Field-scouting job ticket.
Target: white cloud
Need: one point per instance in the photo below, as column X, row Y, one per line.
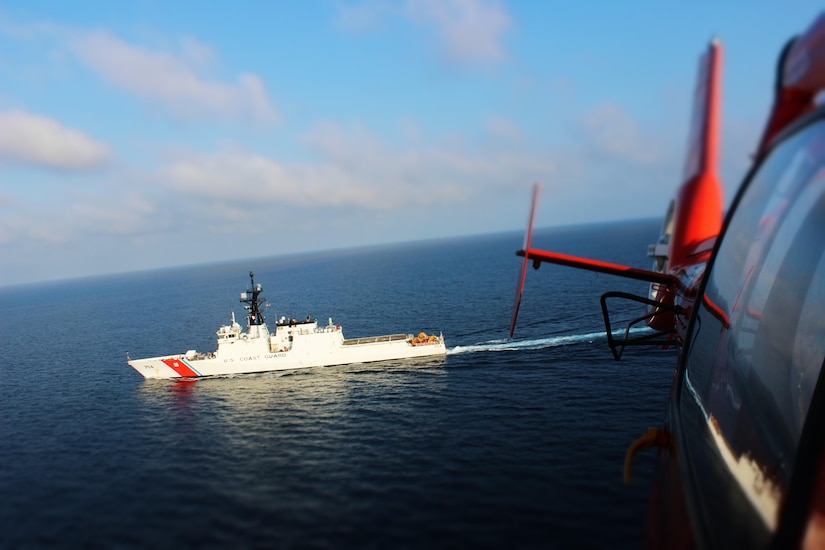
column 196, row 53
column 504, row 129
column 172, row 80
column 364, row 15
column 355, row 169
column 615, row 134
column 30, row 139
column 95, row 208
column 469, row 30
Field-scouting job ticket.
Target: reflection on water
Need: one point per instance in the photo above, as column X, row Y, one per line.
column 316, row 395
column 301, row 447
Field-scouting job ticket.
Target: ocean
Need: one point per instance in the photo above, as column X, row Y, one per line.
column 502, row 443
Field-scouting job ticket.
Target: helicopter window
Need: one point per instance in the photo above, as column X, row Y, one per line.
column 757, row 346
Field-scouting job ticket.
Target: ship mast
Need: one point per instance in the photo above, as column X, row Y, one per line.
column 254, row 300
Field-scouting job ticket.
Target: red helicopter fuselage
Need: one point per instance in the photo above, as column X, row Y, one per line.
column 741, row 460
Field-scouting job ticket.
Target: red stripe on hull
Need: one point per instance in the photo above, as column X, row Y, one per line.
column 180, row 367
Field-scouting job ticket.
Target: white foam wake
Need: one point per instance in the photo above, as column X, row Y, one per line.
column 540, row 343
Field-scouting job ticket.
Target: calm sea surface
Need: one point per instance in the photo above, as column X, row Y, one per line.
column 501, row 444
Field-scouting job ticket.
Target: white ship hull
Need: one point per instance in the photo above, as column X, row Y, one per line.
column 291, row 347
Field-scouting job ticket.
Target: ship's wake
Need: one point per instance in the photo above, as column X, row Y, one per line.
column 505, row 344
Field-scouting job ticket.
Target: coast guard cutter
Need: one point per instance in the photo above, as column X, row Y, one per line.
column 294, row 344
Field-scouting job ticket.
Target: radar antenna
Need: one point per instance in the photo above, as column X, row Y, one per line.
column 253, row 299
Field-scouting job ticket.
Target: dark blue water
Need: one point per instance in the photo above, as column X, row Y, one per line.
column 501, row 443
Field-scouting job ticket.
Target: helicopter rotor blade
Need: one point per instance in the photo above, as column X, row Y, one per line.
column 528, row 238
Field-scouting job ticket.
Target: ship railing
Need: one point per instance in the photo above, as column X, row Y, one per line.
column 377, row 339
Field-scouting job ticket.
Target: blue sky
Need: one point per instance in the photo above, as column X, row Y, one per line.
column 144, row 134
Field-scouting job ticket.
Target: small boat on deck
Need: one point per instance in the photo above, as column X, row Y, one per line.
column 294, row 345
